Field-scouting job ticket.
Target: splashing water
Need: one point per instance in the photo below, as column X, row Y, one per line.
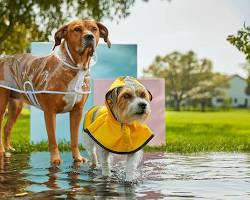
column 159, row 176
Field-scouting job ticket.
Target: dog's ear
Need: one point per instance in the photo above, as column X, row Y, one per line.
column 111, row 96
column 150, row 95
column 104, row 33
column 59, row 35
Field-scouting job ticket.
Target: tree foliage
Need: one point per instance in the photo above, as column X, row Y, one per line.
column 23, row 21
column 186, row 76
column 242, row 41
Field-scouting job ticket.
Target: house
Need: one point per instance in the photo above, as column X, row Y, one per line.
column 234, row 95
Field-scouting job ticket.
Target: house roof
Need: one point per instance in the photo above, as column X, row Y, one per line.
column 237, row 75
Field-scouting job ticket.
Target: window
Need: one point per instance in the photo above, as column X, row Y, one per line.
column 219, row 100
column 235, row 100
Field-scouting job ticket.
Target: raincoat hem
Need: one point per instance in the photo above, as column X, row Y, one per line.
column 118, row 152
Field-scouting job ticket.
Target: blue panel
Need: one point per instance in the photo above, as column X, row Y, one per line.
column 119, row 60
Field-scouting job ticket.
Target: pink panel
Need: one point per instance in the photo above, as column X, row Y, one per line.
column 156, row 120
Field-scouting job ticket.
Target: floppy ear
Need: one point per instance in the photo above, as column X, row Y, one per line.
column 150, row 95
column 59, row 35
column 112, row 95
column 104, row 33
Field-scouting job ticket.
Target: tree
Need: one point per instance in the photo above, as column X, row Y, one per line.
column 208, row 89
column 242, row 42
column 23, row 21
column 186, row 76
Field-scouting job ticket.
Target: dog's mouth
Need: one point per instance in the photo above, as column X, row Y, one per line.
column 141, row 112
column 87, row 45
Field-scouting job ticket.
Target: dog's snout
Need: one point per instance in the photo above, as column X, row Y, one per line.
column 89, row 37
column 142, row 105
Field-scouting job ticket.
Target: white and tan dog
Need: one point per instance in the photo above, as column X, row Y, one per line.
column 118, row 127
column 55, row 83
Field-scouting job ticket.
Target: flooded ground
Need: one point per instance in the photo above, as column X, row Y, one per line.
column 162, row 176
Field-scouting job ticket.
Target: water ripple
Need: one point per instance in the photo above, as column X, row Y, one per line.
column 160, row 176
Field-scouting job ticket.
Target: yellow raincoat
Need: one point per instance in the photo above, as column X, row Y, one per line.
column 116, row 137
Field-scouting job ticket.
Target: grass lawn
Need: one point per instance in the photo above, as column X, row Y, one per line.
column 20, row 133
column 207, row 131
column 20, row 137
column 185, row 132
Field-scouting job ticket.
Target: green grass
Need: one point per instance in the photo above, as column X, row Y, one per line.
column 20, row 137
column 20, row 133
column 186, row 132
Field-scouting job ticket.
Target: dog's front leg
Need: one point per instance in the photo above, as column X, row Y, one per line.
column 50, row 121
column 132, row 163
column 75, row 120
column 89, row 145
column 104, row 160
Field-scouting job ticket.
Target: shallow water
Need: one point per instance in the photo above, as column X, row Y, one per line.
column 161, row 176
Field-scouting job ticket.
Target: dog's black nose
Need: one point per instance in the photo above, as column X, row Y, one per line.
column 142, row 105
column 89, row 37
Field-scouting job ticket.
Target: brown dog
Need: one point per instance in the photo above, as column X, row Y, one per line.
column 59, row 82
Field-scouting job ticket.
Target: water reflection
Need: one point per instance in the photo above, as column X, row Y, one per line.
column 171, row 176
column 12, row 180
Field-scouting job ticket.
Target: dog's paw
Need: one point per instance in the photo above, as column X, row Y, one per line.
column 79, row 159
column 56, row 161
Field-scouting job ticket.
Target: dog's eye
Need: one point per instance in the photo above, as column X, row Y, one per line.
column 142, row 95
column 77, row 29
column 127, row 96
column 94, row 29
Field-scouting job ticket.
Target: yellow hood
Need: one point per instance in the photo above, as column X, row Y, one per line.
column 116, row 137
column 123, row 81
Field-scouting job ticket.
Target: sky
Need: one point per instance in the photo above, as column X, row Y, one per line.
column 160, row 27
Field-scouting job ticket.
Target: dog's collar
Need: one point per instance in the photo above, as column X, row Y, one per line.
column 69, row 54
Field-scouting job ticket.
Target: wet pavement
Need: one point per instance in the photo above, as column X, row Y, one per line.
column 160, row 176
